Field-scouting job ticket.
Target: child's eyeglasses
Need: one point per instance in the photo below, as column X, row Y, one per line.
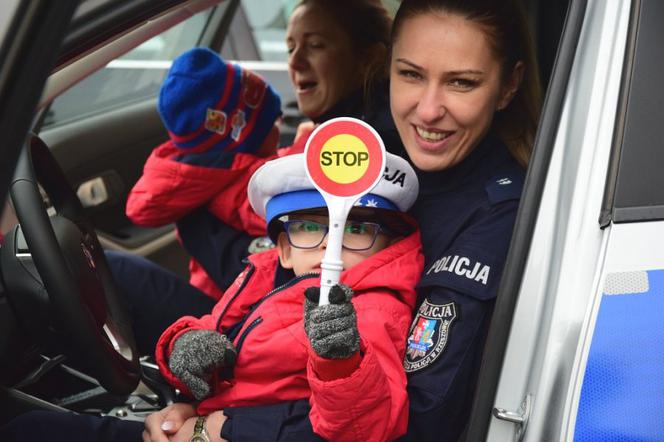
column 304, row 234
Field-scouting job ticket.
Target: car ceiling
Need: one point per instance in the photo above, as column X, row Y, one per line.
column 98, row 21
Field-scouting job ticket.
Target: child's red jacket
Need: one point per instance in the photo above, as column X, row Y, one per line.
column 170, row 188
column 275, row 360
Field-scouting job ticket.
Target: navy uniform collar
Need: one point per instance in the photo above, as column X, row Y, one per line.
column 440, row 181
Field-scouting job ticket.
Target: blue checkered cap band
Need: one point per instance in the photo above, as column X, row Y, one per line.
column 281, row 186
column 312, row 199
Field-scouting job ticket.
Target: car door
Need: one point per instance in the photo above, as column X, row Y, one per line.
column 585, row 276
column 102, row 130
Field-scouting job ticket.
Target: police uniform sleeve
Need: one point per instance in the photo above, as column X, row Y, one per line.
column 441, row 392
column 216, row 246
column 446, row 339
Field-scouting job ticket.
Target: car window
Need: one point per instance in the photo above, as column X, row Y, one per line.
column 132, row 77
column 267, row 22
column 639, row 194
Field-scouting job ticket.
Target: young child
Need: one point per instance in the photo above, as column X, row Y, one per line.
column 215, row 113
column 267, row 341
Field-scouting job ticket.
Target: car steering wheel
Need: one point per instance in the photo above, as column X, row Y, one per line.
column 82, row 302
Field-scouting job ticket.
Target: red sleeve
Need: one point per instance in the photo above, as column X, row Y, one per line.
column 169, row 189
column 233, row 305
column 371, row 404
column 331, row 369
column 178, row 328
column 232, row 202
column 167, row 340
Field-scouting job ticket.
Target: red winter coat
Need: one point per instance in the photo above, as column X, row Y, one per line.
column 276, row 363
column 170, row 189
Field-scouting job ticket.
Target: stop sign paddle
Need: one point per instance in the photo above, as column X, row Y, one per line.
column 345, row 159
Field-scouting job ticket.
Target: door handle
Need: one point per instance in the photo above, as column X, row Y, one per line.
column 92, row 192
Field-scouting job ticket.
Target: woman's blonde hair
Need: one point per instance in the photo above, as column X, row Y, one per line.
column 506, row 27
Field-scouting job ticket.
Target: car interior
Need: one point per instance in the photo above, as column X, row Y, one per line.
column 95, row 126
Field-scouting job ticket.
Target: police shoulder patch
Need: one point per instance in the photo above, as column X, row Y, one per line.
column 428, row 335
column 504, row 187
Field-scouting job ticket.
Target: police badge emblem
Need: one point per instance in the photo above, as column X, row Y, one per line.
column 428, row 335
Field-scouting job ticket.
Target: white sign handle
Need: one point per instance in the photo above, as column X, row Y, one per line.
column 332, row 265
column 340, row 200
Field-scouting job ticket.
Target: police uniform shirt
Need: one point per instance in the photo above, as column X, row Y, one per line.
column 466, row 216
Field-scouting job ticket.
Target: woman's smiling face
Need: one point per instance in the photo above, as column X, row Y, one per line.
column 323, row 64
column 445, row 86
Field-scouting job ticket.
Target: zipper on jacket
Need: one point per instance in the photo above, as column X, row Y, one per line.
column 271, row 293
column 245, row 281
column 240, row 341
column 244, row 334
column 229, row 371
column 290, row 283
column 255, row 306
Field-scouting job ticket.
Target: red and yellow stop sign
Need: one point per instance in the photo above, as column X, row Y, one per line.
column 345, row 157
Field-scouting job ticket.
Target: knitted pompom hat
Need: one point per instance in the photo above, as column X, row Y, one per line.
column 209, row 105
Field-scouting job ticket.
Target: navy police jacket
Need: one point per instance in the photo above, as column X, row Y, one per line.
column 466, row 216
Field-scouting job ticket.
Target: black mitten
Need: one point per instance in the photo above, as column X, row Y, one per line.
column 332, row 328
column 196, row 355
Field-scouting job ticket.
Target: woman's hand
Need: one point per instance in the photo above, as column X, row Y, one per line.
column 213, row 425
column 159, row 426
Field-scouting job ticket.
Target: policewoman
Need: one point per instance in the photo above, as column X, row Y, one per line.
column 464, row 96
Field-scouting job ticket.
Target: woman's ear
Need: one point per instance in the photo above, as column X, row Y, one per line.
column 511, row 86
column 284, row 251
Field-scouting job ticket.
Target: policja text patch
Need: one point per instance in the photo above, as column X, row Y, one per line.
column 428, row 335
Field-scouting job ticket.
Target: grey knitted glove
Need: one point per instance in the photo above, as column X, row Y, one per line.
column 196, row 355
column 332, row 328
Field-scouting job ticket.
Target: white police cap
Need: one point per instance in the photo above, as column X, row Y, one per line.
column 281, row 186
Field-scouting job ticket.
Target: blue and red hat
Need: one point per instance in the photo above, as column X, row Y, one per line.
column 209, row 105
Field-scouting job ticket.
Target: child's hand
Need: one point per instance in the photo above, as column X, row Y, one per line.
column 332, row 328
column 303, row 128
column 195, row 357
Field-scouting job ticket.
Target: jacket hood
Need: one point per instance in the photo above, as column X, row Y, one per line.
column 398, row 268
